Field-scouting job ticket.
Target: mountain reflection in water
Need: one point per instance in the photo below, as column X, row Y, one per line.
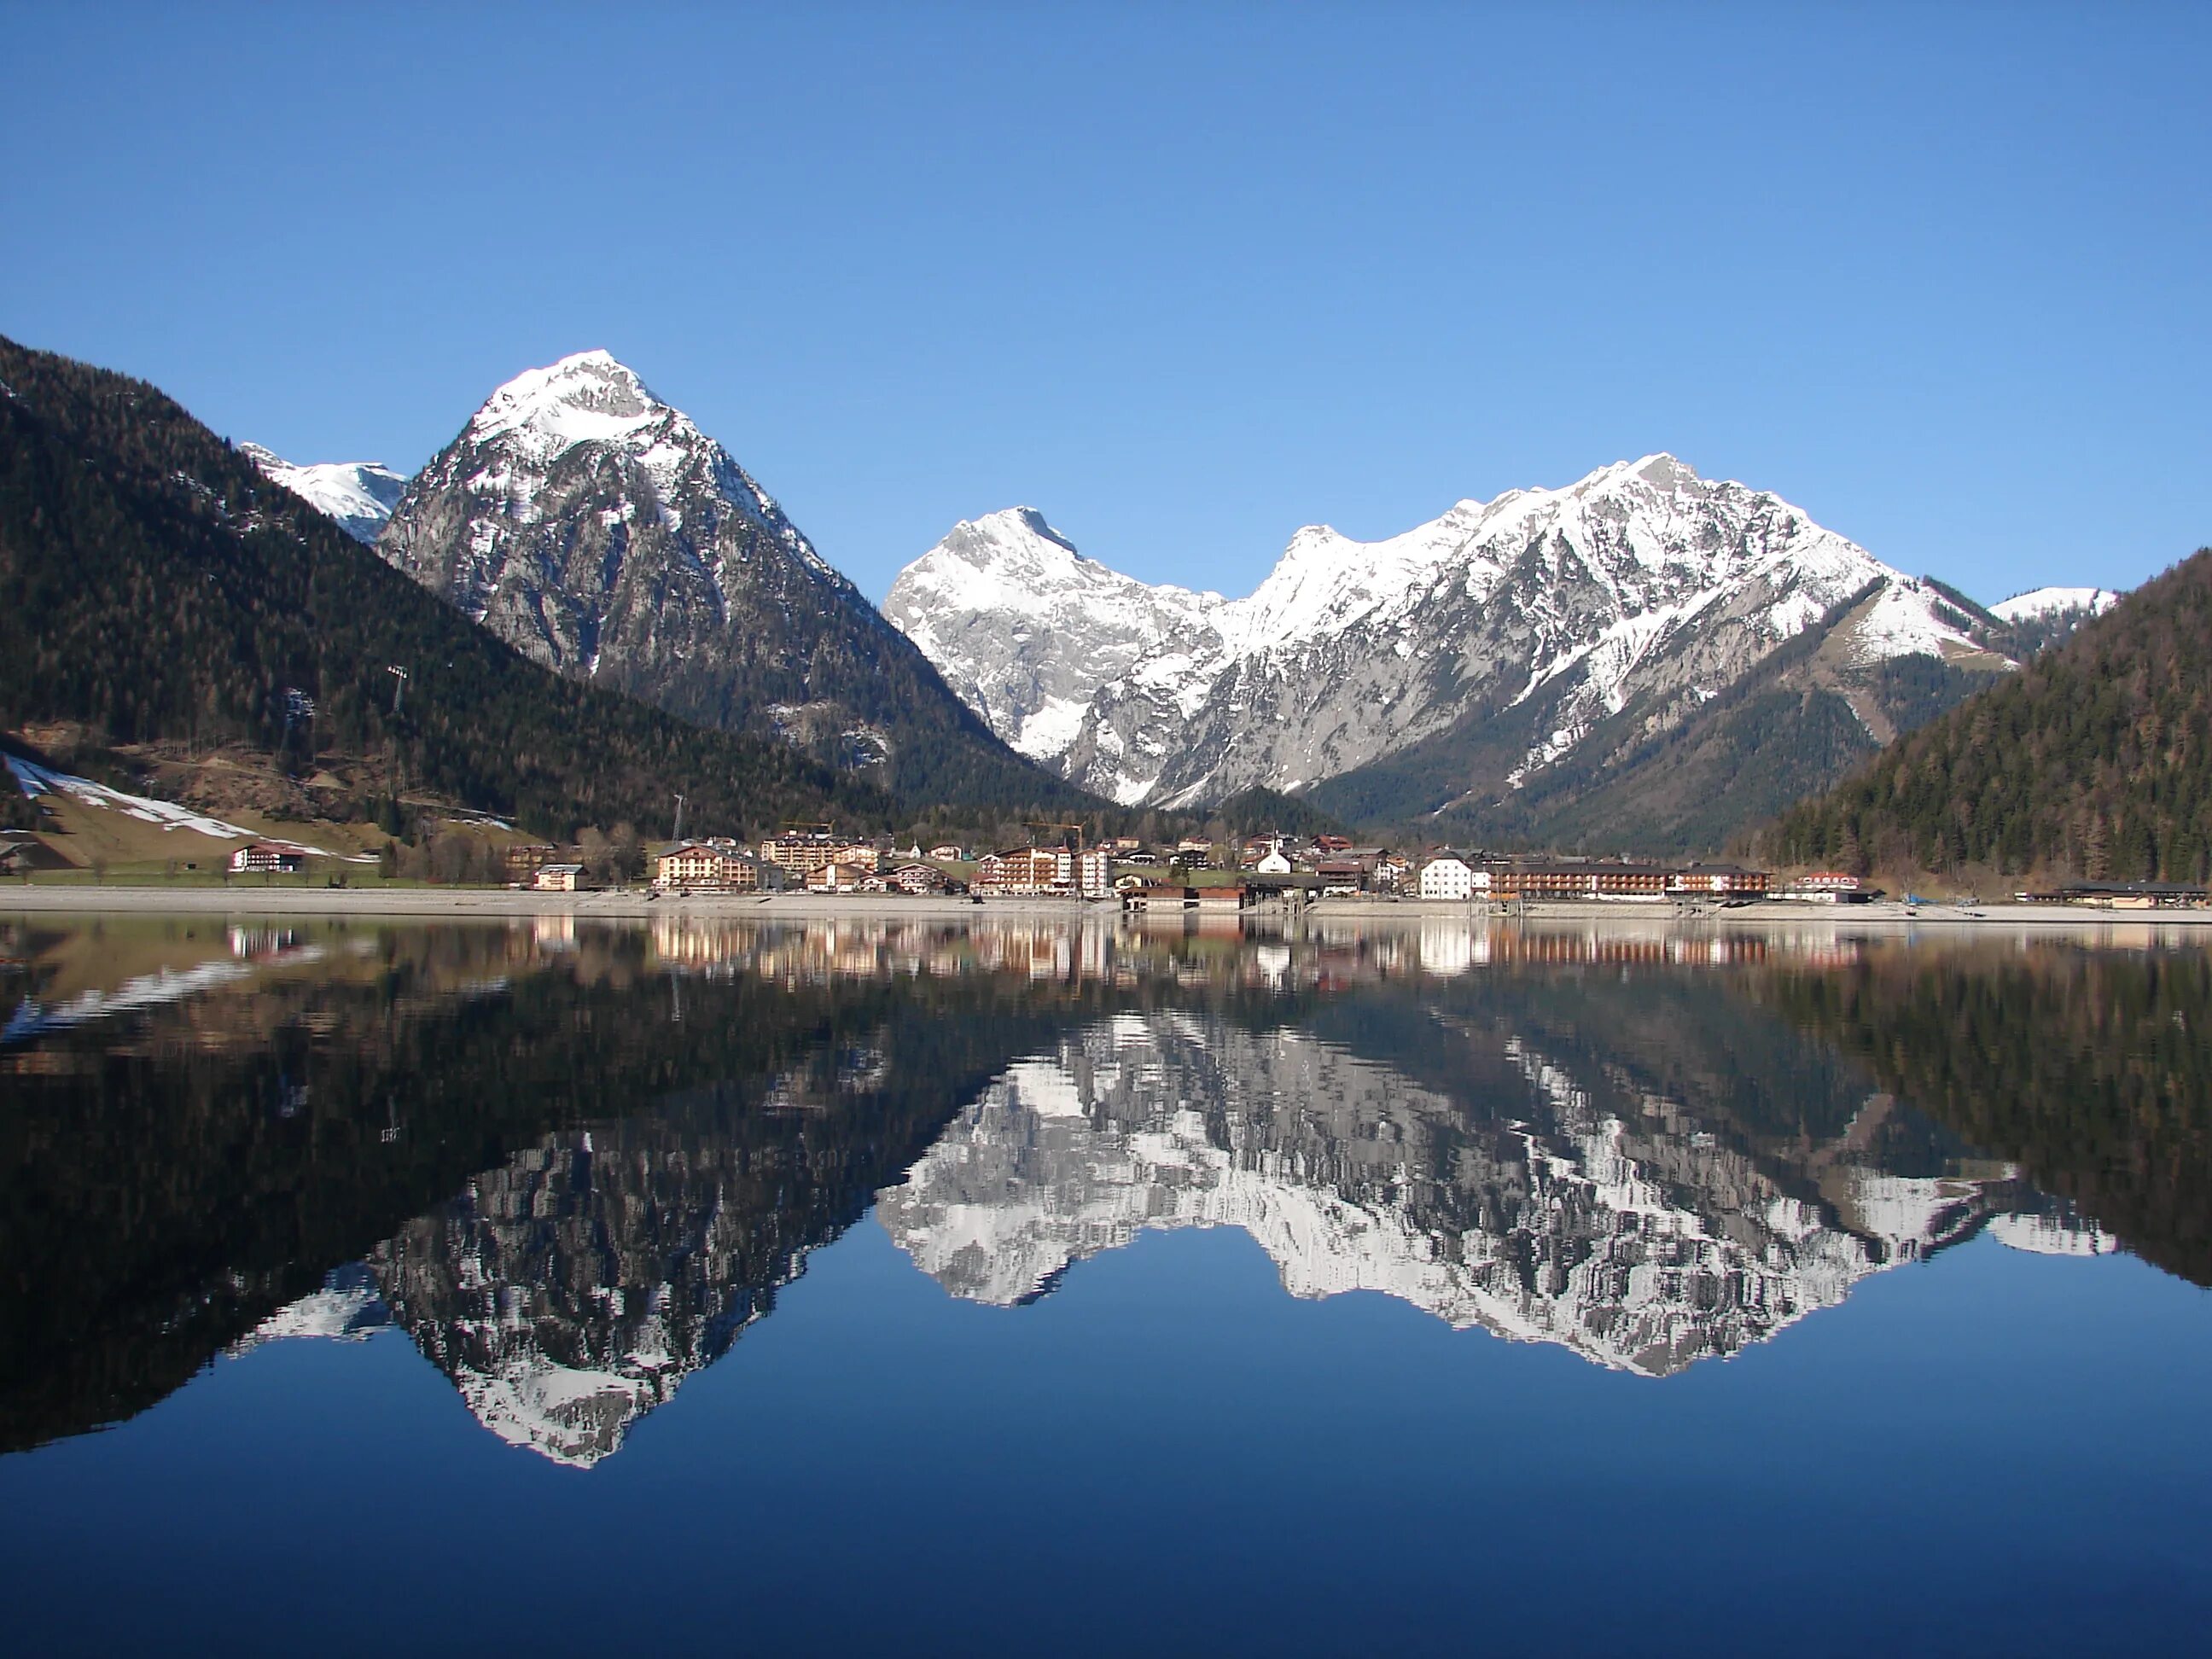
column 575, row 1162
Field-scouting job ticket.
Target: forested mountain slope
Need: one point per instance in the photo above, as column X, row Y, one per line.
column 155, row 584
column 2095, row 761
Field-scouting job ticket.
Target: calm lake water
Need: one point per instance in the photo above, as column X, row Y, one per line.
column 941, row 1289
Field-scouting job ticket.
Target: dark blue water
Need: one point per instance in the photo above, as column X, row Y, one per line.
column 1752, row 1350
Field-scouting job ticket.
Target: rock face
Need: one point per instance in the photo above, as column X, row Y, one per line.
column 598, row 530
column 1029, row 632
column 1514, row 627
column 358, row 496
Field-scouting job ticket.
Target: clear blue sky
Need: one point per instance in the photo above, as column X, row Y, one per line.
column 1183, row 277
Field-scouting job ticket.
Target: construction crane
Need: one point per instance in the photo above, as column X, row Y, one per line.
column 1035, row 824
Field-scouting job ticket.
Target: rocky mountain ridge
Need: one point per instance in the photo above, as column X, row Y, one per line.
column 599, row 532
column 1517, row 626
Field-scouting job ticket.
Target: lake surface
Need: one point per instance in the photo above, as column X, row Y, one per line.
column 868, row 1286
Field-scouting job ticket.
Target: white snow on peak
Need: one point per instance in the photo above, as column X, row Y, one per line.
column 1063, row 625
column 1157, row 693
column 586, row 398
column 1326, row 581
column 359, row 495
column 590, row 398
column 2047, row 601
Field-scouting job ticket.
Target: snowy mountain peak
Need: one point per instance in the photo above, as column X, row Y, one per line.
column 1641, row 582
column 602, row 533
column 586, row 397
column 2052, row 601
column 1013, row 535
column 357, row 495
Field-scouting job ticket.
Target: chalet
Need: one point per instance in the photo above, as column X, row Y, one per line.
column 837, row 879
column 1195, row 853
column 557, row 877
column 948, row 853
column 267, row 855
column 1341, row 877
column 859, row 856
column 916, row 879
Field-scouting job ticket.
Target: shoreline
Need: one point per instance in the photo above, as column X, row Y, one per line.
column 634, row 904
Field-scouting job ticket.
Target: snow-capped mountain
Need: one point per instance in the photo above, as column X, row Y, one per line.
column 1517, row 625
column 1603, row 1218
column 1028, row 631
column 599, row 532
column 357, row 495
column 2042, row 602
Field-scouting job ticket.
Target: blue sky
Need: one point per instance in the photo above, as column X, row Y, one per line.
column 1183, row 277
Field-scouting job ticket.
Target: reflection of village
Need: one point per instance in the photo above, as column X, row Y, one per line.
column 51, row 977
column 1317, row 952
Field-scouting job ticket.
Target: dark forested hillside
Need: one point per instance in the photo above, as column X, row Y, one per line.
column 153, row 584
column 2084, row 1067
column 2095, row 761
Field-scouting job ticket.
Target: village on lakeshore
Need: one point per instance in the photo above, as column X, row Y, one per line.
column 1194, row 873
column 1218, row 875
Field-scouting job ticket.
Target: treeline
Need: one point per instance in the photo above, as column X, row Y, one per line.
column 2087, row 1068
column 154, row 587
column 2095, row 761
